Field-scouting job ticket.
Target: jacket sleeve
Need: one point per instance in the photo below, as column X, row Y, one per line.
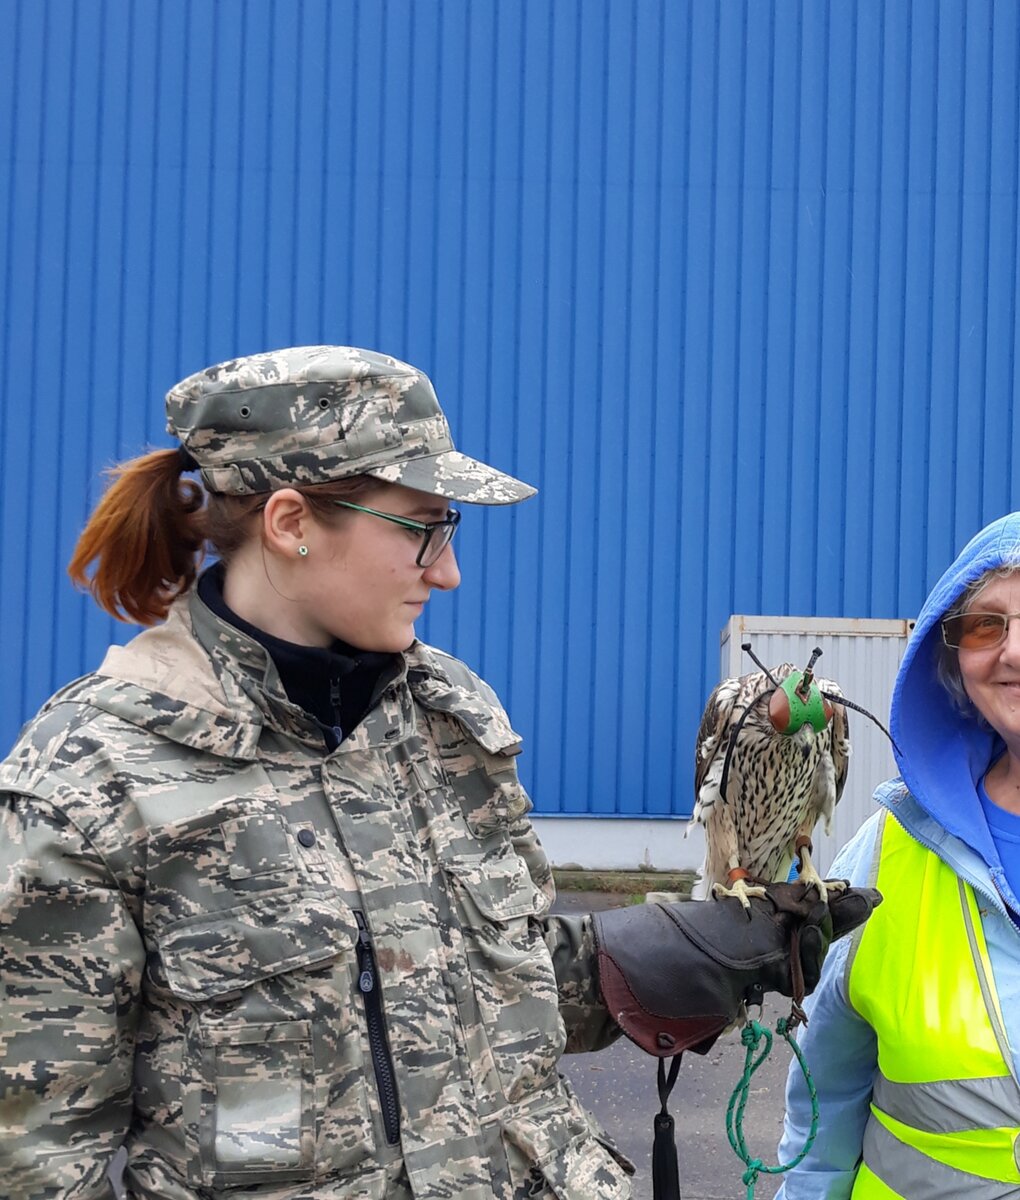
column 70, row 968
column 841, row 1052
column 570, row 941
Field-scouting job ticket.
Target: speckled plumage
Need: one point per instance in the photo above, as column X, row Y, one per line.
column 778, row 787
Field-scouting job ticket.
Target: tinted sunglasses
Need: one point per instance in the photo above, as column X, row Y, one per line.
column 976, row 630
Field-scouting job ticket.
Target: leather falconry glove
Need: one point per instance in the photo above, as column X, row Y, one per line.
column 674, row 976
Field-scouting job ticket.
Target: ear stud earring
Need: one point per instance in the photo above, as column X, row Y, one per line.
column 303, row 551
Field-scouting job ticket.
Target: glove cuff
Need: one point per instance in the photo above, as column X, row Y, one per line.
column 655, row 1033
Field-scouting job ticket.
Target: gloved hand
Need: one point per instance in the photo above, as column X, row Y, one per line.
column 673, row 976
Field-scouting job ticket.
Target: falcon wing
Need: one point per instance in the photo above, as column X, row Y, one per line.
column 713, row 734
column 840, row 746
column 839, row 735
column 832, row 763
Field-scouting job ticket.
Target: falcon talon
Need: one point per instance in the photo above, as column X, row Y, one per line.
column 740, row 891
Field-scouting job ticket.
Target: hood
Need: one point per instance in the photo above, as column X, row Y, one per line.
column 165, row 681
column 941, row 753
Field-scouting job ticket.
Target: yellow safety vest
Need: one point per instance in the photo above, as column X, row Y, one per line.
column 945, row 1111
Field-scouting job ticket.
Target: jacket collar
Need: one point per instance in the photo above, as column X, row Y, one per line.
column 202, row 683
column 986, row 877
column 443, row 684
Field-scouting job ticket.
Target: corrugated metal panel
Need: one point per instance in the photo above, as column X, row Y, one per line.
column 734, row 283
column 862, row 657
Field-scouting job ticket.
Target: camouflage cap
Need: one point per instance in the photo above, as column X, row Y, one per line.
column 311, row 414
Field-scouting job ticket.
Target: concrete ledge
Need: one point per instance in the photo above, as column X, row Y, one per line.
column 631, row 883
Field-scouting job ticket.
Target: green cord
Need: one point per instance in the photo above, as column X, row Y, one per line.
column 752, row 1036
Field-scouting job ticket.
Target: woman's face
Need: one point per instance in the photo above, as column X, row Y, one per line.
column 992, row 677
column 359, row 581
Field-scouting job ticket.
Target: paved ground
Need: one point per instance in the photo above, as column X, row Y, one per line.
column 618, row 1085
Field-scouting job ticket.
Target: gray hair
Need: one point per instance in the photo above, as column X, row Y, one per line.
column 947, row 658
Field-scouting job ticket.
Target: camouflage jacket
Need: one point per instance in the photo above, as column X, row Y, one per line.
column 274, row 971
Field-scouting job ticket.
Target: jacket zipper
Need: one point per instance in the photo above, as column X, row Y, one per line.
column 381, row 1061
column 334, row 699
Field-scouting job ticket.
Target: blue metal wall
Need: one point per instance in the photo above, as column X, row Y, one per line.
column 734, row 282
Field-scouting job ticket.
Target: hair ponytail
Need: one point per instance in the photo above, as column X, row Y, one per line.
column 146, row 538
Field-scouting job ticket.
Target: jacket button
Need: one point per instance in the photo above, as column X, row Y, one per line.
column 306, row 837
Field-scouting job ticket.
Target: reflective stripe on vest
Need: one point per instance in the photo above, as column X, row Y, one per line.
column 945, row 1112
column 917, row 1175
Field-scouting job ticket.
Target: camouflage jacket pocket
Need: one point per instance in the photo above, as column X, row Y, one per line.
column 249, row 1103
column 511, row 971
column 237, row 849
column 493, row 890
column 503, row 803
column 564, row 1155
column 273, row 1083
column 208, row 957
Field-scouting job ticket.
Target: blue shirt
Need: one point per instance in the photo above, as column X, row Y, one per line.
column 1005, row 830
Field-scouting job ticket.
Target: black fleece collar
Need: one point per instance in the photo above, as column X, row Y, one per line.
column 337, row 685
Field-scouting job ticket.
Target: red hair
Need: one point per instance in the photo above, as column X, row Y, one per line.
column 147, row 536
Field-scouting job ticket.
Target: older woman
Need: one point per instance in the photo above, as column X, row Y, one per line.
column 914, row 1034
column 274, row 917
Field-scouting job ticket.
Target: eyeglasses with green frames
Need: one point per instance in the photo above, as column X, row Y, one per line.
column 435, row 536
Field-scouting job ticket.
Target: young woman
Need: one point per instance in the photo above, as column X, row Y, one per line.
column 273, row 914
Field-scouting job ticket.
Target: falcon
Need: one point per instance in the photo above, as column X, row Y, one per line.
column 771, row 759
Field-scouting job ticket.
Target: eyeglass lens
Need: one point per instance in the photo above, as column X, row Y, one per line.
column 976, row 630
column 436, row 541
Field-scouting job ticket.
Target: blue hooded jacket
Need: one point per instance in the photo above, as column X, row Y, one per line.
column 942, row 755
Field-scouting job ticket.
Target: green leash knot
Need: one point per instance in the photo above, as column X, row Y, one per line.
column 750, row 1176
column 752, row 1036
